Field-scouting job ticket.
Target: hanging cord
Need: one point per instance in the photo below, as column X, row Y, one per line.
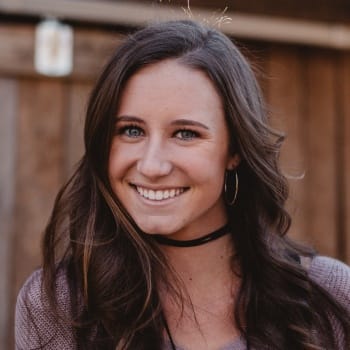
column 173, row 347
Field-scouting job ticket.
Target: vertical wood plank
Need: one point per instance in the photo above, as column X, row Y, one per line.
column 340, row 157
column 78, row 95
column 39, row 168
column 286, row 104
column 320, row 150
column 8, row 103
column 346, row 168
column 257, row 55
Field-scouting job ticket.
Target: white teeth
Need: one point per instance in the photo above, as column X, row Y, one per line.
column 159, row 195
column 151, row 194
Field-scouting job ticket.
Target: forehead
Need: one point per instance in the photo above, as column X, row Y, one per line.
column 170, row 86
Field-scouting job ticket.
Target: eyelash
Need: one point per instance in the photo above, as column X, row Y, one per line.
column 123, row 130
column 195, row 134
column 127, row 128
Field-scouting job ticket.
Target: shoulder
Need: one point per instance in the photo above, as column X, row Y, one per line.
column 33, row 290
column 36, row 325
column 334, row 276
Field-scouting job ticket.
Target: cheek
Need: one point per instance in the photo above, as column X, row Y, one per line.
column 206, row 173
column 206, row 162
column 113, row 170
column 116, row 164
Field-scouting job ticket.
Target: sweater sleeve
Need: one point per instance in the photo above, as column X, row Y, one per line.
column 334, row 277
column 36, row 326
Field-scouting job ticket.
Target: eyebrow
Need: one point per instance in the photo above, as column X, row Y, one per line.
column 189, row 122
column 177, row 122
column 128, row 118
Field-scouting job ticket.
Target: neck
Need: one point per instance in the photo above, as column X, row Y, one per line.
column 209, row 289
column 202, row 266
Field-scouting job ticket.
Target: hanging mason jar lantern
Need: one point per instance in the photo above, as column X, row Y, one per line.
column 53, row 48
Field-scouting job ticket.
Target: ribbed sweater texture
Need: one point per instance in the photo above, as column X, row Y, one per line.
column 36, row 327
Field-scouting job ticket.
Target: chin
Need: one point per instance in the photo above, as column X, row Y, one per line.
column 155, row 228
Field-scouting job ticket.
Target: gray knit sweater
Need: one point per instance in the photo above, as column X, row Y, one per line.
column 37, row 328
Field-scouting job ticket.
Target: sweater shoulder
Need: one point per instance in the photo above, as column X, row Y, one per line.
column 36, row 324
column 334, row 276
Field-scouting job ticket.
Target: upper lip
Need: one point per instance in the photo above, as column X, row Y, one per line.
column 157, row 187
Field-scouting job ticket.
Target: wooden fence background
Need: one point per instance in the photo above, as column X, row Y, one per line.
column 41, row 122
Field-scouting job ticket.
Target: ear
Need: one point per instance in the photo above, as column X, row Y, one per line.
column 233, row 162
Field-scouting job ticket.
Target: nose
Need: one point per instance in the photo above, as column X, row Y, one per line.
column 154, row 161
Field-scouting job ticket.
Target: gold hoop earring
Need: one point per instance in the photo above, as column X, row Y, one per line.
column 228, row 174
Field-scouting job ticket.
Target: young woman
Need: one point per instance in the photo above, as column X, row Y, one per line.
column 171, row 233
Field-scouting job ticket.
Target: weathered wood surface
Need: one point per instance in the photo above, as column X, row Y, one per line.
column 325, row 10
column 77, row 99
column 244, row 24
column 8, row 144
column 107, row 11
column 285, row 99
column 41, row 140
column 39, row 171
column 345, row 94
column 91, row 48
column 320, row 149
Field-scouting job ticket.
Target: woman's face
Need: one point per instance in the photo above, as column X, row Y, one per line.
column 170, row 151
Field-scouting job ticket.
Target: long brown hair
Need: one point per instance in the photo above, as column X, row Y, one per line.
column 112, row 269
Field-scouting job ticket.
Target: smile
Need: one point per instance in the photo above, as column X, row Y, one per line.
column 159, row 195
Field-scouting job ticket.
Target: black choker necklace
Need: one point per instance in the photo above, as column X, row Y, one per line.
column 224, row 230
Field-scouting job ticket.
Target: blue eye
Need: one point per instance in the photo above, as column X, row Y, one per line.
column 186, row 134
column 132, row 131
